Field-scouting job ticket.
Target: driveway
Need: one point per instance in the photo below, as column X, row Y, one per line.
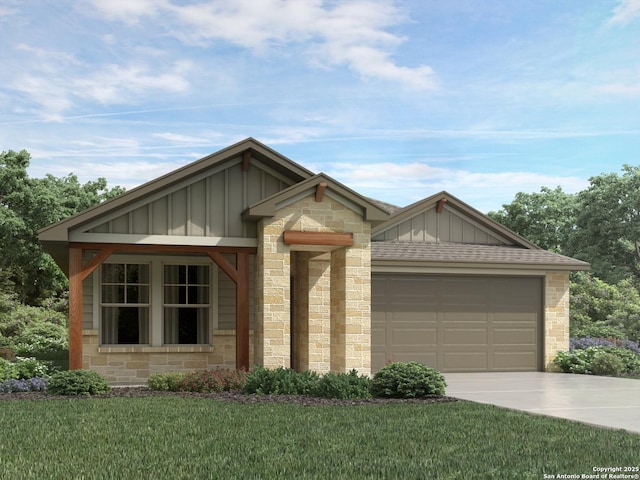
column 601, row 401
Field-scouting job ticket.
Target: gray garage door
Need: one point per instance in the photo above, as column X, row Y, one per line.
column 457, row 323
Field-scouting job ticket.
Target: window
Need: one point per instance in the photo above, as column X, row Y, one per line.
column 125, row 303
column 186, row 302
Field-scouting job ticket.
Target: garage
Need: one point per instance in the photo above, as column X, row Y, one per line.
column 458, row 323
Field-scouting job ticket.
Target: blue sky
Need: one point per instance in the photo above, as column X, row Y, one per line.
column 398, row 100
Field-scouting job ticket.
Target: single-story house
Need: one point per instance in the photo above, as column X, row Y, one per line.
column 245, row 257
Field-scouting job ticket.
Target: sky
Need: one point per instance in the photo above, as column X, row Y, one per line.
column 396, row 99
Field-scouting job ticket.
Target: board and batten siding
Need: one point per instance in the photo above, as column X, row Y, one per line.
column 447, row 226
column 210, row 206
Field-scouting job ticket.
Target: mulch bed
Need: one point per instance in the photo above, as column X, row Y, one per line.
column 304, row 400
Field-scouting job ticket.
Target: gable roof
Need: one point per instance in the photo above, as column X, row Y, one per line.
column 453, row 203
column 502, row 248
column 58, row 232
column 369, row 210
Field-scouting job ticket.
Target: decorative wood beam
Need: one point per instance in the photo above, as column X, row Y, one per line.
column 224, row 265
column 246, row 157
column 75, row 308
column 320, row 188
column 136, row 247
column 96, row 261
column 242, row 312
column 329, row 239
column 440, row 205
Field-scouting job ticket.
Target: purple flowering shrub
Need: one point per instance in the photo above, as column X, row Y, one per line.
column 14, row 385
column 583, row 343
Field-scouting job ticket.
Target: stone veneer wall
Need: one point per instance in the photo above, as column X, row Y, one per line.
column 350, row 291
column 556, row 314
column 132, row 365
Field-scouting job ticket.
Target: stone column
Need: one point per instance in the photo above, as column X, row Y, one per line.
column 556, row 316
column 272, row 335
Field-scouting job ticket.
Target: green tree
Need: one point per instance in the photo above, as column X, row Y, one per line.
column 595, row 302
column 546, row 218
column 608, row 225
column 26, row 205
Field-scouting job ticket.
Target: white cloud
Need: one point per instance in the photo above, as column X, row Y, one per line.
column 346, row 33
column 187, row 139
column 119, row 84
column 403, row 184
column 622, row 89
column 128, row 11
column 625, row 12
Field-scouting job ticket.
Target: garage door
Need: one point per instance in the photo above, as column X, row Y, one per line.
column 457, row 323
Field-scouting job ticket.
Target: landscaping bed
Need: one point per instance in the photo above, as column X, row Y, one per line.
column 236, row 397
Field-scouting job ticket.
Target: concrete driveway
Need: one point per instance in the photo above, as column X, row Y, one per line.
column 601, row 401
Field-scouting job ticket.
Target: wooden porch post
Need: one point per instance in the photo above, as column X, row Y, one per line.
column 75, row 308
column 240, row 276
column 242, row 312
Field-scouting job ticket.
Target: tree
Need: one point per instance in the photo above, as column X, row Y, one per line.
column 26, row 205
column 608, row 225
column 546, row 218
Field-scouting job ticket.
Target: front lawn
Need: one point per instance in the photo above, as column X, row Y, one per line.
column 173, row 438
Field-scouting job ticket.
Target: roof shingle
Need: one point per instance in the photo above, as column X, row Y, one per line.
column 467, row 253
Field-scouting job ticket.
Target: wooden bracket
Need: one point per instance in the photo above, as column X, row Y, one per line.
column 320, row 188
column 246, row 157
column 440, row 205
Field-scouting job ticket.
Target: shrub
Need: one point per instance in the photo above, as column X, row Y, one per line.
column 206, row 381
column 630, row 359
column 23, row 368
column 77, row 382
column 598, row 330
column 30, row 368
column 13, row 385
column 577, row 361
column 41, row 337
column 407, row 380
column 343, row 385
column 607, row 364
column 279, row 381
column 165, row 382
column 582, row 343
column 7, row 370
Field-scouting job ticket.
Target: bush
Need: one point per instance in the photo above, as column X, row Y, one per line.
column 23, row 368
column 630, row 359
column 165, row 382
column 407, row 380
column 607, row 364
column 13, row 385
column 207, row 381
column 582, row 343
column 7, row 370
column 42, row 337
column 577, row 361
column 343, row 385
column 77, row 382
column 598, row 330
column 279, row 381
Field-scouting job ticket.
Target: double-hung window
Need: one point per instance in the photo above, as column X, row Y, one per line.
column 125, row 303
column 155, row 301
column 186, row 304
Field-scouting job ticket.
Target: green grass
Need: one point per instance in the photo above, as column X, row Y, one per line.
column 175, row 438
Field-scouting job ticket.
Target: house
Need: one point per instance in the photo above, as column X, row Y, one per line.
column 245, row 257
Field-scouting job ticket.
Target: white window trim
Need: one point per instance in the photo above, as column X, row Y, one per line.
column 156, row 313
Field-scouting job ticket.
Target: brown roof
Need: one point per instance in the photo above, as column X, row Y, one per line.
column 471, row 254
column 388, row 207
